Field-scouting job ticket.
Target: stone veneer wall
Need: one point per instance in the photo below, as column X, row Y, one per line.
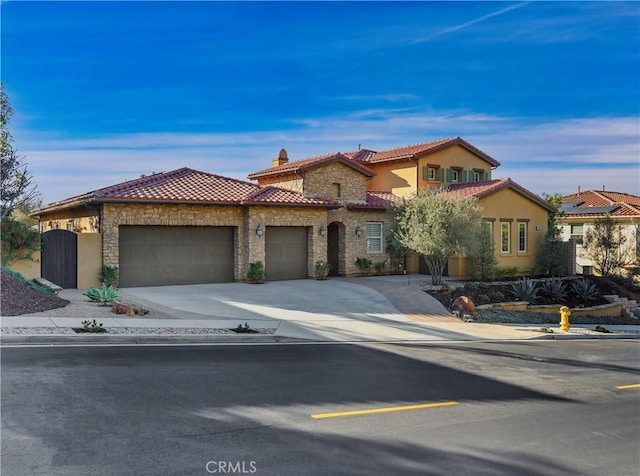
column 312, row 218
column 290, row 182
column 353, row 246
column 116, row 214
column 353, row 184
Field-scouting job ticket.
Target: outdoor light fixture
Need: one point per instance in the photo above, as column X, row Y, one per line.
column 358, row 231
column 323, row 230
column 259, row 230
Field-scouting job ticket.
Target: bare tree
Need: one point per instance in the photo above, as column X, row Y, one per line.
column 607, row 246
column 17, row 190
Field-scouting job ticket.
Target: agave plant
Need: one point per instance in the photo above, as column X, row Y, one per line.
column 585, row 290
column 525, row 290
column 103, row 295
column 554, row 288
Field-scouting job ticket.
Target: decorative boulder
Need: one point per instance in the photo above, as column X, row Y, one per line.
column 463, row 303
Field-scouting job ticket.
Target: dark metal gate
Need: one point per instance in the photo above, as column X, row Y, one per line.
column 59, row 261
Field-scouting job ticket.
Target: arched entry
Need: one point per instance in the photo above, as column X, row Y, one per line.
column 335, row 232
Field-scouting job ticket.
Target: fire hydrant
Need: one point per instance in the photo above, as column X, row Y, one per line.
column 565, row 312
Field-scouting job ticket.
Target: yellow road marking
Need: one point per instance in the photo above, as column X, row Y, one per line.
column 623, row 387
column 383, row 410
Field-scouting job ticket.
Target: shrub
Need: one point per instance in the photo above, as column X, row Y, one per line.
column 244, row 329
column 256, row 273
column 554, row 288
column 503, row 272
column 496, row 296
column 103, row 295
column 585, row 290
column 93, row 326
column 525, row 290
column 483, row 299
column 109, row 275
column 322, row 269
column 363, row 265
column 380, row 266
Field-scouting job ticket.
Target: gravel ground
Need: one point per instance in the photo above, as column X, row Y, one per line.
column 128, row 331
column 18, row 298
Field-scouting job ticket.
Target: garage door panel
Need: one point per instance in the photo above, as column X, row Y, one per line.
column 163, row 255
column 286, row 252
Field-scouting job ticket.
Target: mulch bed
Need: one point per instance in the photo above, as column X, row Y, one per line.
column 489, row 293
column 19, row 298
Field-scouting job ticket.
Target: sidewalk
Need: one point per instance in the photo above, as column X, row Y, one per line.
column 369, row 309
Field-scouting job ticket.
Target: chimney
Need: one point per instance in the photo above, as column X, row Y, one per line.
column 281, row 159
column 578, row 189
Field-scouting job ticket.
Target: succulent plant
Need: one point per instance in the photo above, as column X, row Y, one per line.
column 525, row 290
column 554, row 288
column 585, row 290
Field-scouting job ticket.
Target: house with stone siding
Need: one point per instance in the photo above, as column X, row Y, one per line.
column 187, row 226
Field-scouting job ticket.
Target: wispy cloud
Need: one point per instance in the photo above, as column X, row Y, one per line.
column 544, row 156
column 469, row 23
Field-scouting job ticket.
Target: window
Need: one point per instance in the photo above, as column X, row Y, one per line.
column 455, row 175
column 335, row 190
column 505, row 228
column 488, row 226
column 522, row 237
column 477, row 175
column 430, row 173
column 577, row 232
column 374, row 237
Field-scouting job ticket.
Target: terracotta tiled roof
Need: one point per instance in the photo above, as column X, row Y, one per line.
column 188, row 186
column 281, row 196
column 597, row 204
column 488, row 187
column 376, row 200
column 302, row 165
column 419, row 150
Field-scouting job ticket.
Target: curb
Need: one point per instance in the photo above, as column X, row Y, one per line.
column 138, row 339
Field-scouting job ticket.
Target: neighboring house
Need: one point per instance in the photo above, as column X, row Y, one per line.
column 580, row 211
column 187, row 226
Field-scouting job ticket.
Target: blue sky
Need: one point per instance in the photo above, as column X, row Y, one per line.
column 106, row 91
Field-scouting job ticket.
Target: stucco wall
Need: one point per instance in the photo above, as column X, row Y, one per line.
column 81, row 220
column 455, row 156
column 404, row 177
column 89, row 259
column 507, row 204
column 30, row 269
column 397, row 177
column 353, row 184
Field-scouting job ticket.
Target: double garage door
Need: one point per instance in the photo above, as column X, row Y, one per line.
column 164, row 255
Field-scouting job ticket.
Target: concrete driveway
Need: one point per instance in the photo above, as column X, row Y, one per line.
column 381, row 308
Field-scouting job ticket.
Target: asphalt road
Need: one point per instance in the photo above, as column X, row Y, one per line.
column 526, row 408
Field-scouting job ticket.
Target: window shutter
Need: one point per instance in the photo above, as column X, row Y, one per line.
column 425, row 173
column 448, row 175
column 441, row 175
column 464, row 176
column 485, row 175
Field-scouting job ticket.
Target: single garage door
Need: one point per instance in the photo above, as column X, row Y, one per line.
column 163, row 255
column 286, row 252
